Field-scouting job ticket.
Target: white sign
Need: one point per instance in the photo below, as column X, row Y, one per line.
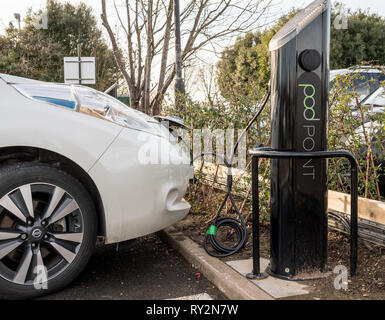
column 87, row 69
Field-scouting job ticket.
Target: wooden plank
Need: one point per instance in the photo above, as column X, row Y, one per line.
column 372, row 210
column 210, row 169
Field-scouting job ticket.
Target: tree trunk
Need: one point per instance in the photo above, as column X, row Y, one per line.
column 157, row 104
column 147, row 66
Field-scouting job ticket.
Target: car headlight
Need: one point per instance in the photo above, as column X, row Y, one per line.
column 86, row 100
column 106, row 107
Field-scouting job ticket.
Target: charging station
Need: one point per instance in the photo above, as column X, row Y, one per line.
column 298, row 153
column 299, row 108
column 299, row 94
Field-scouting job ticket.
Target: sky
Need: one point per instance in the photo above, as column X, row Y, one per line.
column 8, row 8
column 279, row 7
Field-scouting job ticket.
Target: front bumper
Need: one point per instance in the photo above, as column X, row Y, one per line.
column 141, row 194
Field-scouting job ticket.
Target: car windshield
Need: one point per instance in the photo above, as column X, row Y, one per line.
column 364, row 83
column 377, row 98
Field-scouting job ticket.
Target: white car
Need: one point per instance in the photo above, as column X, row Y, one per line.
column 366, row 80
column 377, row 100
column 74, row 166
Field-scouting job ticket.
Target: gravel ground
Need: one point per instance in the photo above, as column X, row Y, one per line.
column 368, row 284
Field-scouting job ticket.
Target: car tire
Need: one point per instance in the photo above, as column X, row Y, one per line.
column 50, row 219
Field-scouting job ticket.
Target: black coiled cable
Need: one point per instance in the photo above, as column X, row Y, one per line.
column 239, row 226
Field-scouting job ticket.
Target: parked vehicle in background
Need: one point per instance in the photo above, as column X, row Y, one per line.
column 377, row 100
column 361, row 91
column 372, row 123
column 365, row 80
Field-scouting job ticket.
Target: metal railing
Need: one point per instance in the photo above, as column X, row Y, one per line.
column 272, row 154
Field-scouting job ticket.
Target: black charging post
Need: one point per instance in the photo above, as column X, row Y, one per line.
column 299, row 181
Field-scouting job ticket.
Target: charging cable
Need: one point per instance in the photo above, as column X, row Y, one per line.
column 238, row 225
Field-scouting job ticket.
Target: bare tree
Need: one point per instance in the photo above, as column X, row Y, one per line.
column 147, row 30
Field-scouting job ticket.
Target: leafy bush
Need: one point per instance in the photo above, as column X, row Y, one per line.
column 354, row 126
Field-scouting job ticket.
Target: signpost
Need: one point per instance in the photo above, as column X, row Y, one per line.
column 79, row 70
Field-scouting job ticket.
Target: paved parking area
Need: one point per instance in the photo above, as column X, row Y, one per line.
column 144, row 268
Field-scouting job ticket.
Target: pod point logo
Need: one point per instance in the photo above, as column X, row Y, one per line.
column 309, row 121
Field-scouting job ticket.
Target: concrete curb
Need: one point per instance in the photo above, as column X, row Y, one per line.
column 232, row 284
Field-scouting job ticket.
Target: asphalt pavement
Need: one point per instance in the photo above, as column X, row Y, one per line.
column 140, row 269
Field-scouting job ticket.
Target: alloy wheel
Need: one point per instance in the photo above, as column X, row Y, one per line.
column 41, row 229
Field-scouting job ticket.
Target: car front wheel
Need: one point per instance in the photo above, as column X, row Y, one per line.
column 48, row 228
